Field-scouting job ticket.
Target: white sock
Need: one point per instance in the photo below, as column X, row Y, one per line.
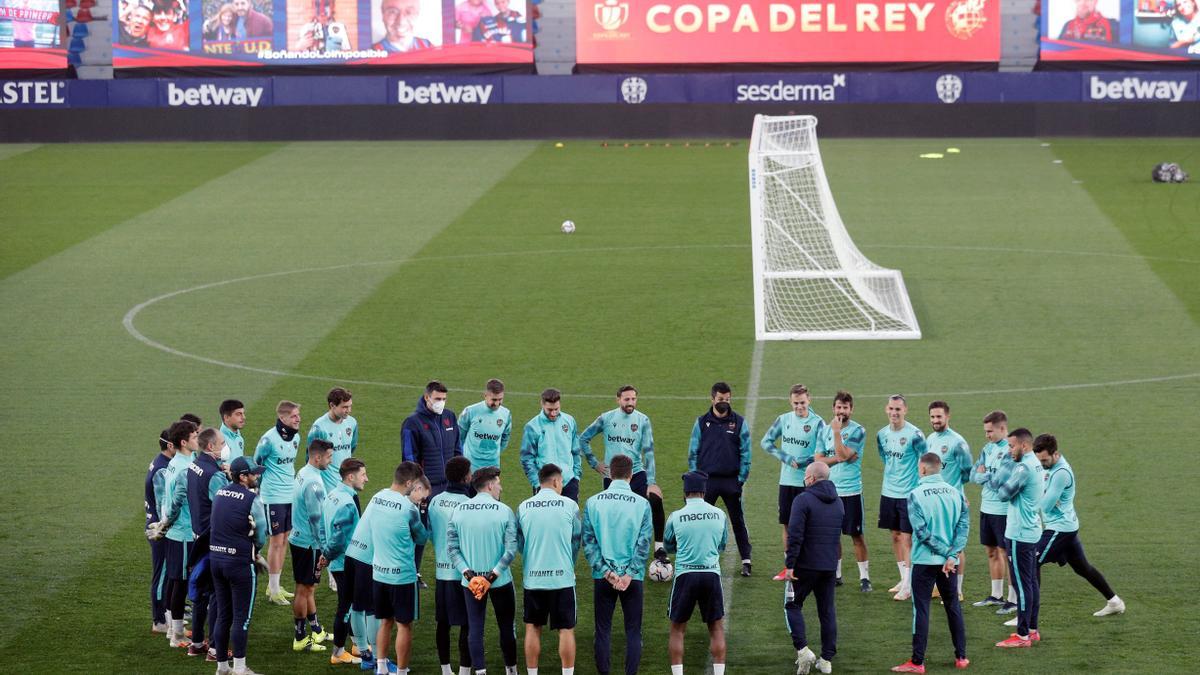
column 381, row 666
column 997, row 588
column 960, row 578
column 177, row 628
column 273, row 584
column 718, row 669
column 510, row 670
column 678, row 670
column 569, row 671
column 402, row 671
column 533, row 671
column 1012, row 594
column 447, row 670
column 464, row 670
column 906, row 578
column 839, row 568
column 1115, row 600
column 863, row 572
column 657, row 545
column 239, row 665
column 900, row 566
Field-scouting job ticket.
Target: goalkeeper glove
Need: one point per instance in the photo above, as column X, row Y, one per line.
column 469, row 575
column 491, row 576
column 156, row 531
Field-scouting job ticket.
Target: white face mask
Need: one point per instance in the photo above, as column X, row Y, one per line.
column 437, row 407
column 225, row 454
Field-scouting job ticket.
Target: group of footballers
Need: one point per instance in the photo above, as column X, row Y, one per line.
column 217, row 518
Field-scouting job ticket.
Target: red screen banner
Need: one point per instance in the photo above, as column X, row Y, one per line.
column 786, row 31
column 30, row 37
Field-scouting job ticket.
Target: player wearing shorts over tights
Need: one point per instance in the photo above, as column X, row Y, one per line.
column 450, row 607
column 340, row 516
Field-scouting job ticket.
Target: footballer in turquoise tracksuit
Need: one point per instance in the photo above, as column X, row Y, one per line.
column 339, row 515
column 276, row 452
column 798, row 434
column 696, row 534
column 1022, row 490
column 485, row 432
column 341, row 432
column 482, row 541
column 940, row 523
column 549, row 533
column 450, row 607
column 552, row 440
column 617, row 531
column 899, row 449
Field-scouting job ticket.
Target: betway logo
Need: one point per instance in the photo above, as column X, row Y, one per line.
column 439, row 92
column 1135, row 89
column 782, row 91
column 211, row 94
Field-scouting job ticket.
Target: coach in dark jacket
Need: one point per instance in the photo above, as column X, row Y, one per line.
column 814, row 534
column 430, row 436
column 720, row 447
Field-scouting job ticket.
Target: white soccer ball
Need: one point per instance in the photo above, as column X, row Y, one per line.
column 568, row 226
column 661, row 571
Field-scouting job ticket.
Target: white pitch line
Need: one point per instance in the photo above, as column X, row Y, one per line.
column 130, row 317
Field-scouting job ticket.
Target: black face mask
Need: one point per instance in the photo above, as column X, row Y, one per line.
column 721, row 408
column 285, row 432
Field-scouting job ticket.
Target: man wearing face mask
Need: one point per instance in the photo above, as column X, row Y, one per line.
column 430, row 437
column 720, row 447
column 204, row 477
column 276, row 452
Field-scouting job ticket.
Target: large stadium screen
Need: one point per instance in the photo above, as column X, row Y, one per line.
column 30, row 37
column 788, row 31
column 256, row 33
column 1120, row 30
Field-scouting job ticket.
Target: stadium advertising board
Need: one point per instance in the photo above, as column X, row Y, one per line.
column 30, row 37
column 787, row 31
column 1120, row 30
column 258, row 33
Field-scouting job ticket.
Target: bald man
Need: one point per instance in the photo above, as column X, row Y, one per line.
column 814, row 534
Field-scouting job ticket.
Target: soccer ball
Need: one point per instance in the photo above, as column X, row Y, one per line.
column 661, row 571
column 568, row 226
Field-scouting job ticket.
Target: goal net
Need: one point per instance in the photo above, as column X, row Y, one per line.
column 810, row 281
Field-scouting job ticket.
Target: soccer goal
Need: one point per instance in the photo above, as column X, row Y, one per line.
column 810, row 281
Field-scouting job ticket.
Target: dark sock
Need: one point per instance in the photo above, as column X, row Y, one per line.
column 300, row 629
column 313, row 623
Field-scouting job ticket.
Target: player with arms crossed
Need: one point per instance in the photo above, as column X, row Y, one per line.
column 483, row 536
column 1060, row 540
column 339, row 514
column 306, row 540
column 552, row 437
column 486, row 427
column 396, row 530
column 697, row 534
column 276, row 452
column 627, row 431
column 842, row 444
column 799, row 436
column 1021, row 489
column 548, row 534
column 616, row 541
column 996, row 457
column 900, row 445
column 956, row 463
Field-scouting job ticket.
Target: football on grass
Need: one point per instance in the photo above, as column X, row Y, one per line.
column 568, row 226
column 661, row 571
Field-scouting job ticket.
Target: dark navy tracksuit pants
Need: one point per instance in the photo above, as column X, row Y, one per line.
column 820, row 584
column 606, row 598
column 1022, row 566
column 158, row 581
column 924, row 578
column 730, row 492
column 234, row 584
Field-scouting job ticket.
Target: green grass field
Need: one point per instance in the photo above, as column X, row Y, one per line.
column 1064, row 293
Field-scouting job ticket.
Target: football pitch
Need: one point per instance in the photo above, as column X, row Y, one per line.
column 1050, row 277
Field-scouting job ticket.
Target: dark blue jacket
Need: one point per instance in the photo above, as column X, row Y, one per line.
column 815, row 528
column 720, row 446
column 431, row 440
column 201, row 472
column 159, row 463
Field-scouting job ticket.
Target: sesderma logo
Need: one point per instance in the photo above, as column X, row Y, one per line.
column 212, row 94
column 437, row 93
column 783, row 91
column 1137, row 89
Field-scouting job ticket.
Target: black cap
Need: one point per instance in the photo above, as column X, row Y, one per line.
column 242, row 465
column 694, row 481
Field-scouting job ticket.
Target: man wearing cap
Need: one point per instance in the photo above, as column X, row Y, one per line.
column 814, row 536
column 720, row 448
column 617, row 530
column 696, row 534
column 237, row 530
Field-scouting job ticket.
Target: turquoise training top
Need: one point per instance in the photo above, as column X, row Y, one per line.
column 617, row 531
column 1058, row 501
column 696, row 534
column 940, row 521
column 630, row 435
column 900, row 451
column 339, row 515
column 279, row 458
column 548, row 534
column 441, row 510
column 955, row 453
column 485, row 434
column 307, row 497
column 483, row 537
column 396, row 531
column 846, row 476
column 799, row 440
column 344, row 437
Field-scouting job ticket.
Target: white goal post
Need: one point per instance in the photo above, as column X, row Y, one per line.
column 810, row 281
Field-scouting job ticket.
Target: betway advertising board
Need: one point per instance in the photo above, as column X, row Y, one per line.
column 786, row 31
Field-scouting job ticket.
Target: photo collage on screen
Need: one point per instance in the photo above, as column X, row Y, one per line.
column 1112, row 29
